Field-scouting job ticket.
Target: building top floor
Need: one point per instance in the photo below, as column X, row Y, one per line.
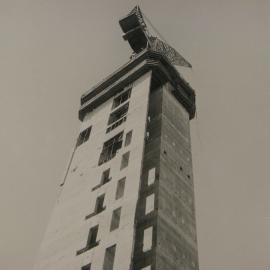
column 162, row 71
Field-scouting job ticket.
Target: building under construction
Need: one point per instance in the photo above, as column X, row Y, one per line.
column 127, row 200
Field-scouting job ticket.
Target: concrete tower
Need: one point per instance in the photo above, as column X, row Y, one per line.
column 127, row 202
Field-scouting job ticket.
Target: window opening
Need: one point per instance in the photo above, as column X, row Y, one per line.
column 125, row 160
column 151, row 176
column 117, row 117
column 91, row 240
column 128, row 138
column 120, row 188
column 147, row 239
column 110, row 148
column 109, row 258
column 84, row 136
column 92, row 237
column 99, row 207
column 150, row 203
column 86, row 267
column 105, row 178
column 115, row 219
column 147, row 136
column 121, row 98
column 99, row 204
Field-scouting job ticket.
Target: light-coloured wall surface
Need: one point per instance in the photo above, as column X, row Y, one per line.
column 68, row 229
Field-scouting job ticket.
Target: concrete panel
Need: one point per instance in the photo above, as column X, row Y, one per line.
column 68, row 229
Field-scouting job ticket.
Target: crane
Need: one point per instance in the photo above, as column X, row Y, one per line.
column 137, row 34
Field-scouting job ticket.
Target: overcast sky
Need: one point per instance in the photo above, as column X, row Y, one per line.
column 52, row 51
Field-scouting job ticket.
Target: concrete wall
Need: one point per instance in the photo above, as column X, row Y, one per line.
column 176, row 226
column 68, row 229
column 144, row 257
column 167, row 177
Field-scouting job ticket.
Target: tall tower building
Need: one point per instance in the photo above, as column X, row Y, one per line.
column 127, row 201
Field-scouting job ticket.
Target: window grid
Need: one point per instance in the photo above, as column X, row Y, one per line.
column 122, row 97
column 117, row 117
column 84, row 136
column 116, row 124
column 110, row 148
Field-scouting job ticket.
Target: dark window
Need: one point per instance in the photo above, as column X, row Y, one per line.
column 110, row 148
column 121, row 98
column 91, row 240
column 86, row 267
column 117, row 117
column 119, row 113
column 115, row 219
column 124, row 161
column 84, row 136
column 109, row 258
column 128, row 138
column 92, row 237
column 105, row 178
column 120, row 188
column 99, row 206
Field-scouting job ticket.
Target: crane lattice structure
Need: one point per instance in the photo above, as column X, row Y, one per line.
column 139, row 38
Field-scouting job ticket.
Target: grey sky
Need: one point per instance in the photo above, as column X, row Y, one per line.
column 51, row 51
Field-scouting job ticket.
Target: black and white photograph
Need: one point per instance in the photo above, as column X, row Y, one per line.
column 134, row 135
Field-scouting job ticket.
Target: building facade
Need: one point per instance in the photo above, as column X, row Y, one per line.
column 127, row 202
